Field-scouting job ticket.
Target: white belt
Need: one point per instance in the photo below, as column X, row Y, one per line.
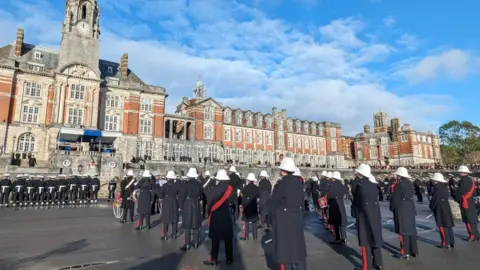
column 40, row 189
column 29, row 189
column 94, row 187
column 51, row 188
column 83, row 187
column 72, row 186
column 18, row 188
column 62, row 187
column 4, row 188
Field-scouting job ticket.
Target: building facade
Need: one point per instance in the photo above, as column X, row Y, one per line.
column 393, row 144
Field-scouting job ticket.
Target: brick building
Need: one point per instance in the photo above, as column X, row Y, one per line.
column 394, row 144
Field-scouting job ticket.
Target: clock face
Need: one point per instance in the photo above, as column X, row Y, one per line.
column 83, row 28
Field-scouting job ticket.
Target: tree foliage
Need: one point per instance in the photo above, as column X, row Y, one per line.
column 459, row 141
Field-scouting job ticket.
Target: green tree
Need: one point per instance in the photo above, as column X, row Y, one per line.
column 458, row 140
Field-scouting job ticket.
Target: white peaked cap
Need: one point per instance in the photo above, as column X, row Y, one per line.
column 287, row 164
column 403, row 172
column 26, row 175
column 336, row 175
column 438, row 177
column 324, row 173
column 146, row 173
column 6, row 174
column 251, row 177
column 130, row 173
column 171, row 175
column 263, row 173
column 372, row 179
column 207, row 173
column 463, row 169
column 314, row 178
column 364, row 170
column 297, row 172
column 192, row 173
column 232, row 169
column 222, row 175
column 19, row 175
column 61, row 175
column 329, row 174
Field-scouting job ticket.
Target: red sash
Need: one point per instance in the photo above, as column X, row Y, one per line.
column 392, row 188
column 467, row 196
column 220, row 202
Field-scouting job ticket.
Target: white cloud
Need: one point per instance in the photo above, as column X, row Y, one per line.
column 453, row 63
column 408, row 41
column 246, row 59
column 389, row 21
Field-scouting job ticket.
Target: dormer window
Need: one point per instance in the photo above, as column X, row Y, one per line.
column 238, row 118
column 110, row 70
column 37, row 55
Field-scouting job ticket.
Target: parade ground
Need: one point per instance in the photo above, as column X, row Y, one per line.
column 91, row 238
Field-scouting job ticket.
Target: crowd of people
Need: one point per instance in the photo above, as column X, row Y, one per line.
column 38, row 190
column 225, row 197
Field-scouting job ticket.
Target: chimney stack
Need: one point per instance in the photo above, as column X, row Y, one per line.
column 19, row 43
column 124, row 65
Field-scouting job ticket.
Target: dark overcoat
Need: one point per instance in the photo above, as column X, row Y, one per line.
column 441, row 207
column 353, row 186
column 145, row 199
column 286, row 210
column 265, row 189
column 251, row 193
column 403, row 207
column 464, row 196
column 126, row 193
column 169, row 196
column 337, row 215
column 220, row 220
column 189, row 202
column 368, row 217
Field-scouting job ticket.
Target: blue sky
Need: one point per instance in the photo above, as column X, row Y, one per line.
column 333, row 60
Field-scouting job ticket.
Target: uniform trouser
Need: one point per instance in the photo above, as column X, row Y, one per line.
column 250, row 227
column 18, row 195
column 263, row 219
column 420, row 197
column 165, row 229
column 371, row 257
column 233, row 208
column 128, row 211
column 292, row 266
column 216, row 249
column 4, row 196
column 142, row 217
column 408, row 245
column 51, row 195
column 72, row 195
column 83, row 194
column 40, row 198
column 30, row 196
column 446, row 236
column 111, row 194
column 315, row 201
column 340, row 232
column 472, row 230
column 204, row 206
column 188, row 236
column 62, row 194
column 94, row 194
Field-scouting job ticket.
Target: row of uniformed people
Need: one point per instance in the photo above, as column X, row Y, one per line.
column 32, row 190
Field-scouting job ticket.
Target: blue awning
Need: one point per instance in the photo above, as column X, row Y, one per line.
column 87, row 135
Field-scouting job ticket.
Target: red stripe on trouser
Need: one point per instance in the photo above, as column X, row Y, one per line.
column 470, row 232
column 282, row 266
column 402, row 250
column 364, row 258
column 138, row 222
column 244, row 229
column 442, row 235
column 260, row 219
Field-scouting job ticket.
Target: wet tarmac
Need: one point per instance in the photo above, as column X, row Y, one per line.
column 91, row 238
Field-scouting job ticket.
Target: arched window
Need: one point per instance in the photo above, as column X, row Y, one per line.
column 26, row 143
column 84, row 12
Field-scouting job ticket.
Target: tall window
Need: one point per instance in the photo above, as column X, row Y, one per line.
column 26, row 143
column 227, row 134
column 306, row 142
column 314, row 143
column 238, row 135
column 84, row 12
column 334, row 146
column 384, row 140
column 269, row 138
column 298, row 126
column 32, row 89
column 321, row 130
column 305, row 128
column 146, row 126
column 259, row 137
column 373, row 153
column 290, row 141
column 385, row 151
column 373, row 142
column 227, row 116
column 238, row 118
column 333, row 132
column 249, row 119
column 146, row 104
column 75, row 116
column 314, row 129
column 30, row 114
column 111, row 122
column 249, row 136
column 77, row 92
column 113, row 101
column 208, row 111
column 299, row 143
column 208, row 132
column 144, row 148
column 289, row 125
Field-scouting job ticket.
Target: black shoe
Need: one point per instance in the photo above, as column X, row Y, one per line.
column 138, row 228
column 185, row 248
column 378, row 267
column 452, row 246
column 336, row 242
column 243, row 238
column 149, row 227
column 260, row 226
column 123, row 221
column 164, row 238
column 211, row 263
column 414, row 255
column 229, row 262
column 406, row 257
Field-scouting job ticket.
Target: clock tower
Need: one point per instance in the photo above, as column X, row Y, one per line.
column 80, row 35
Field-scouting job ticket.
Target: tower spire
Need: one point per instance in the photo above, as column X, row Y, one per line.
column 199, row 90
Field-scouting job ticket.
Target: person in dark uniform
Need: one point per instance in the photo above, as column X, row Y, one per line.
column 112, row 186
column 403, row 207
column 51, row 190
column 18, row 194
column 353, row 186
column 40, row 188
column 94, row 189
column 203, row 181
column 464, row 196
column 417, row 184
column 189, row 203
column 286, row 209
column 5, row 186
column 62, row 189
column 74, row 185
column 84, row 189
column 337, row 216
column 169, row 197
column 381, row 189
column 145, row 200
column 220, row 222
column 237, row 184
column 368, row 218
column 442, row 212
column 265, row 189
column 250, row 195
column 126, row 192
